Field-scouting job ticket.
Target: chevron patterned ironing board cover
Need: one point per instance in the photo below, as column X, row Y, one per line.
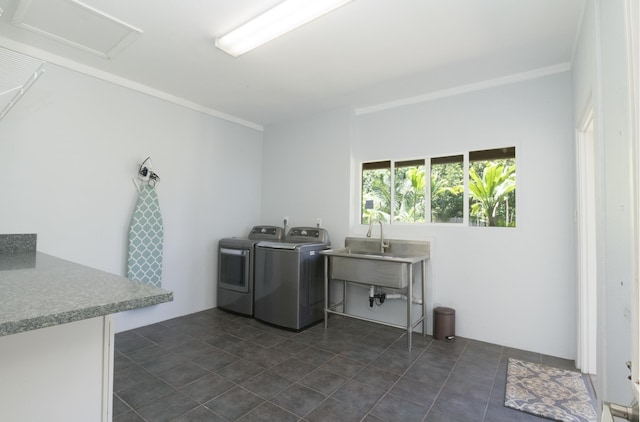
column 146, row 234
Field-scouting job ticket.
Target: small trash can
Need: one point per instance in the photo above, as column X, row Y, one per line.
column 444, row 323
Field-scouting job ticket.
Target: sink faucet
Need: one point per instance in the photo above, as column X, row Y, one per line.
column 383, row 245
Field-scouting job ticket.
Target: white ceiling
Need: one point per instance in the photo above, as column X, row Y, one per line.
column 365, row 53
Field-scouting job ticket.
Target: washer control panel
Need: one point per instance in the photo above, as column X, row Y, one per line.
column 307, row 234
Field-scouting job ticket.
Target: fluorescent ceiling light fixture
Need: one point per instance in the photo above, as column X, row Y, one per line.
column 282, row 18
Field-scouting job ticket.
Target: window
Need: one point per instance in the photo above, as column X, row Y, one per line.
column 409, row 191
column 492, row 187
column 376, row 192
column 396, row 191
column 447, row 189
column 407, row 197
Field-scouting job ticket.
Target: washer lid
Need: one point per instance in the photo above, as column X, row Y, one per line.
column 278, row 245
column 237, row 243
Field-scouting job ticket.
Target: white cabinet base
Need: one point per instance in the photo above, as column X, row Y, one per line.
column 59, row 373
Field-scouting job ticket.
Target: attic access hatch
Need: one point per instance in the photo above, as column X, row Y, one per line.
column 18, row 73
column 75, row 24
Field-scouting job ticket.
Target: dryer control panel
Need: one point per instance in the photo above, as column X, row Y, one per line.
column 267, row 233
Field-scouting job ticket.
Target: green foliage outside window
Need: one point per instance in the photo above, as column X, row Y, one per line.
column 447, row 189
column 410, row 184
column 492, row 193
column 491, row 190
column 409, row 194
column 376, row 182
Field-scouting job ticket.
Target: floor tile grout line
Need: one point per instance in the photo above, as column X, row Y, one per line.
column 176, row 388
column 444, row 383
column 367, row 365
column 163, row 380
column 248, row 411
column 273, row 404
column 493, row 386
column 388, row 391
column 327, row 397
column 236, row 384
column 351, row 378
column 131, row 409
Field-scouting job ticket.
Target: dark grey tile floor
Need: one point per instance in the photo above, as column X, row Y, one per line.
column 216, row 366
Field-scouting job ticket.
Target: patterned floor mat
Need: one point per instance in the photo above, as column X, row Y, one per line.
column 553, row 393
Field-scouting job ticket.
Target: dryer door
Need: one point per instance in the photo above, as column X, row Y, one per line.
column 234, row 273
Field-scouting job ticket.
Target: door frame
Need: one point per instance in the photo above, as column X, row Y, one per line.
column 632, row 23
column 586, row 245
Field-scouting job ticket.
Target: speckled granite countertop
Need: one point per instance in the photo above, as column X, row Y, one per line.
column 48, row 291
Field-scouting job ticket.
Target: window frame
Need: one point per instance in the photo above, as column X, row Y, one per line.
column 427, row 192
column 464, row 192
column 407, row 163
column 503, row 155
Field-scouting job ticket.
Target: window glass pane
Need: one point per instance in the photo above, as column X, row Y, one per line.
column 376, row 191
column 492, row 187
column 447, row 189
column 409, row 193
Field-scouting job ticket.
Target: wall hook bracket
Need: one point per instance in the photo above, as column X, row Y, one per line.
column 145, row 175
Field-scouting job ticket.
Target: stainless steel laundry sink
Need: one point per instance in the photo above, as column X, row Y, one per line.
column 360, row 262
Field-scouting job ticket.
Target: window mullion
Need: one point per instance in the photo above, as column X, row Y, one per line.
column 465, row 203
column 392, row 186
column 427, row 187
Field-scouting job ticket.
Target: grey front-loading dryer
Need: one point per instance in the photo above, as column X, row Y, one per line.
column 289, row 279
column 236, row 256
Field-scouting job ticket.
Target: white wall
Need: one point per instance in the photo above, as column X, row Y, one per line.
column 68, row 152
column 514, row 287
column 306, row 172
column 510, row 286
column 601, row 80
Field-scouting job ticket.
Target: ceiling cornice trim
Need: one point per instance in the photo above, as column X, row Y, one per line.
column 120, row 81
column 464, row 89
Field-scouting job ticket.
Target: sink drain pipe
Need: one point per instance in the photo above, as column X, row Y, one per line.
column 373, row 296
column 381, row 297
column 417, row 300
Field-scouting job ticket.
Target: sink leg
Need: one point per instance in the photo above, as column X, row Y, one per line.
column 326, row 291
column 409, row 303
column 344, row 297
column 424, row 302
